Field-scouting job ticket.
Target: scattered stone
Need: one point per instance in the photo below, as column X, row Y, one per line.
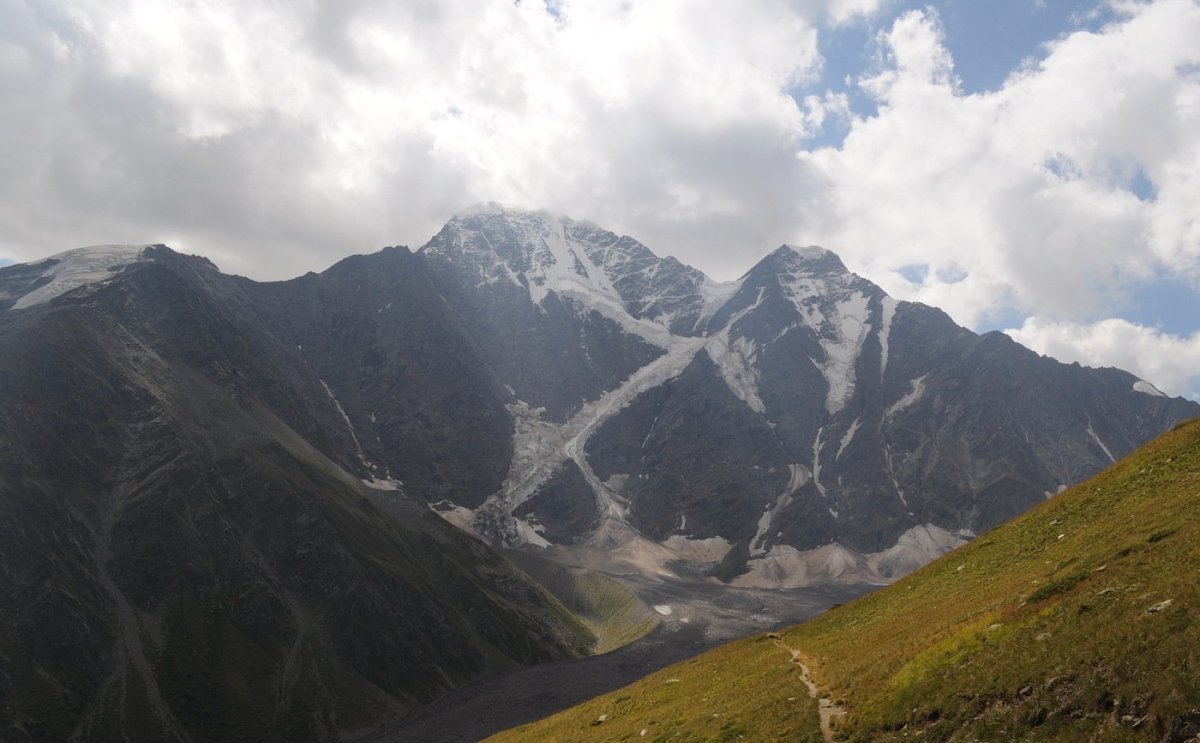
column 671, row 681
column 1160, row 606
column 600, row 720
column 1060, row 536
column 1100, row 569
column 1133, row 722
column 995, row 627
column 772, row 635
column 1042, row 636
column 1025, row 690
column 643, row 733
column 1107, row 591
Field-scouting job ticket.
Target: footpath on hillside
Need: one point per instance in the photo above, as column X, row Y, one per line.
column 827, row 708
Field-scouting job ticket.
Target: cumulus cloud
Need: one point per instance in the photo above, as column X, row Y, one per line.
column 1171, row 362
column 1023, row 199
column 279, row 137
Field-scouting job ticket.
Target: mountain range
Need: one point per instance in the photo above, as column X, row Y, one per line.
column 231, row 508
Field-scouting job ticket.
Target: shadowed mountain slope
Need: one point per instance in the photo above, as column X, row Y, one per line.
column 188, row 549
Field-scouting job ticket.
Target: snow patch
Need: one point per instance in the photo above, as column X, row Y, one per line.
column 81, row 266
column 887, row 455
column 847, row 438
column 849, row 319
column 1147, row 389
column 386, row 483
column 714, row 295
column 916, row 390
column 1100, row 443
column 527, row 535
column 362, row 457
column 816, row 467
column 885, row 332
column 735, row 362
column 799, row 476
column 839, row 316
column 459, row 516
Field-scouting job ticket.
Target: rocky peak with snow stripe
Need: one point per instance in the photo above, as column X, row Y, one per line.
column 530, row 249
column 854, row 416
column 547, row 253
column 662, row 290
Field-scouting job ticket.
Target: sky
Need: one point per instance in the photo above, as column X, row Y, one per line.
column 1030, row 166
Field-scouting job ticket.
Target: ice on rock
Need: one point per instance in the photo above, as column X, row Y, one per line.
column 885, row 333
column 847, row 438
column 1147, row 389
column 833, row 303
column 76, row 268
column 916, row 390
column 1096, row 438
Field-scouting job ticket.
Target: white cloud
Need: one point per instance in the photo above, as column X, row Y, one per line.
column 278, row 138
column 1170, row 362
column 1021, row 197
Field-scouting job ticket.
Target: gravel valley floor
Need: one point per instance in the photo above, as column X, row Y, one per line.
column 701, row 616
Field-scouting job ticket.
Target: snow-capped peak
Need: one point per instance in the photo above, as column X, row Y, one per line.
column 497, row 209
column 811, row 260
column 809, row 251
column 527, row 248
column 65, row 271
column 543, row 253
column 840, row 308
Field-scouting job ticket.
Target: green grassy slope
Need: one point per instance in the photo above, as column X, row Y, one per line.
column 1076, row 621
column 611, row 610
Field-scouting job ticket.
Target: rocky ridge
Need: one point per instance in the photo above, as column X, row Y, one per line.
column 799, row 425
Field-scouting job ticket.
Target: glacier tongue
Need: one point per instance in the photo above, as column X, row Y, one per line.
column 78, row 267
column 540, row 446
